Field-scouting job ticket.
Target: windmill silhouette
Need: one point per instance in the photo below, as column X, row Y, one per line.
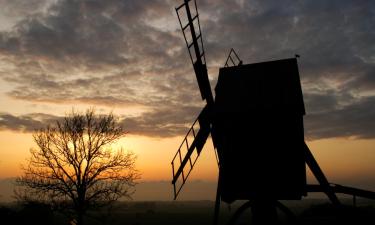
column 256, row 125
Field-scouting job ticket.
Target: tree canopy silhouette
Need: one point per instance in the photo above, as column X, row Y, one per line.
column 75, row 163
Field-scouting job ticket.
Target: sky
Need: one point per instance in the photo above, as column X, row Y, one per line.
column 129, row 58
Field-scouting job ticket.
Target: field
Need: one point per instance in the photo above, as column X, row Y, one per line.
column 311, row 211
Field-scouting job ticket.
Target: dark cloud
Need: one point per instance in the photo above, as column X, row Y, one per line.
column 125, row 52
column 16, row 8
column 331, row 118
column 90, row 34
column 69, row 34
column 334, row 38
column 13, row 11
column 26, row 123
column 354, row 120
column 97, row 50
column 167, row 122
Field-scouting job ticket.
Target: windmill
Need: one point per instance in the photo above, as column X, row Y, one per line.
column 256, row 125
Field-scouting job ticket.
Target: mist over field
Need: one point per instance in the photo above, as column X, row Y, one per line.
column 145, row 191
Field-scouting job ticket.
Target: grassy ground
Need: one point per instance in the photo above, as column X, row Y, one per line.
column 312, row 211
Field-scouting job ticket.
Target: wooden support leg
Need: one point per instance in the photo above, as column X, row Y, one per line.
column 217, row 203
column 318, row 173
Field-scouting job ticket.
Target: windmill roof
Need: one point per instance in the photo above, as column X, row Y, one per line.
column 266, row 86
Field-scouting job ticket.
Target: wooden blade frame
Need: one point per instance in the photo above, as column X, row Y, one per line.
column 194, row 44
column 189, row 151
column 196, row 49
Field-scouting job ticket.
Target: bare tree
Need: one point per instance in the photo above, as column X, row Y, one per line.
column 75, row 163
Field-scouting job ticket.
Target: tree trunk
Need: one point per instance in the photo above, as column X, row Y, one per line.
column 80, row 217
column 81, row 209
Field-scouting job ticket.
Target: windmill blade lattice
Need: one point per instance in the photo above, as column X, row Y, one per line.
column 189, row 151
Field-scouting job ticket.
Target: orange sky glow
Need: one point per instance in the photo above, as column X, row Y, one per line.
column 343, row 160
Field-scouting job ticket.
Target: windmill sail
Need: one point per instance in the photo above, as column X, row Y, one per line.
column 189, row 151
column 187, row 154
column 194, row 44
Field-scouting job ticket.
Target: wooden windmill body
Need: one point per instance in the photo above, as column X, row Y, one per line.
column 258, row 120
column 256, row 125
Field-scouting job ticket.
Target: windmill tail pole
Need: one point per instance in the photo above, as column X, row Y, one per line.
column 337, row 188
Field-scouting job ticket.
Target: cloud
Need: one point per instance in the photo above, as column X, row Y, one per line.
column 353, row 120
column 167, row 122
column 332, row 38
column 67, row 33
column 25, row 123
column 331, row 118
column 126, row 53
column 77, row 50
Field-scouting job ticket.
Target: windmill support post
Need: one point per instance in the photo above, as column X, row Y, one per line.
column 217, row 203
column 318, row 173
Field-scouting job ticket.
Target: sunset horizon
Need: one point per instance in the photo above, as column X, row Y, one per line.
column 129, row 58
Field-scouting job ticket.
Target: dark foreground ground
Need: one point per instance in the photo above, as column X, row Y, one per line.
column 311, row 211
